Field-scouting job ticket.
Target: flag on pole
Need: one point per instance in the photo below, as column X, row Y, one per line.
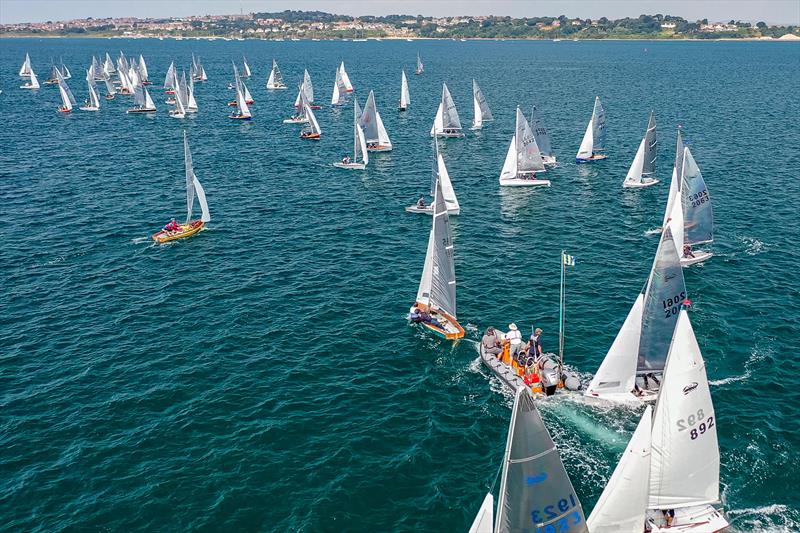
column 568, row 260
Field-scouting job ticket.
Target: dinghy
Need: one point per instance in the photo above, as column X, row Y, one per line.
column 594, row 140
column 481, row 108
column 420, row 67
column 245, row 68
column 536, row 494
column 242, row 111
column 641, row 346
column 25, row 70
column 643, row 169
column 67, row 99
column 374, row 130
column 359, row 145
column 523, row 159
column 248, row 98
column 142, row 103
column 623, row 503
column 339, row 88
column 111, row 91
column 405, row 97
column 93, row 102
column 193, row 188
column 348, row 86
column 275, row 80
column 446, row 122
column 312, row 131
column 33, row 83
column 690, row 215
column 435, row 306
column 542, row 137
column 306, row 88
column 684, row 464
column 438, row 173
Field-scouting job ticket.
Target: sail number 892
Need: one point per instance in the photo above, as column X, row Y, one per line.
column 703, row 424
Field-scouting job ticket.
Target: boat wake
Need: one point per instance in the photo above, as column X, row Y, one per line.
column 654, row 231
column 753, row 246
column 775, row 518
column 140, row 240
column 756, row 356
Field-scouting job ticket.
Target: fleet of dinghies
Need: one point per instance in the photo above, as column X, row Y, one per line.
column 667, row 479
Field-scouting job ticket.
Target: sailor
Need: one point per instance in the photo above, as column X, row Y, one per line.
column 415, row 316
column 687, row 251
column 535, row 344
column 652, row 376
column 514, row 337
column 346, row 160
column 669, row 516
column 421, row 202
column 490, row 342
column 171, row 226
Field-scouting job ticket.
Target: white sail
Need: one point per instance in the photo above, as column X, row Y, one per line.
column 108, row 65
column 298, row 101
column 65, row 71
column 383, row 135
column 675, row 183
column 241, row 104
column 65, row 91
column 34, row 83
column 312, row 119
column 437, row 286
column 180, row 106
column 374, row 130
column 450, row 120
column 448, row 192
column 535, row 493
column 308, row 87
column 275, row 80
column 169, row 81
column 484, row 520
column 594, row 139
column 362, row 145
column 585, row 150
column 542, row 137
column 345, row 78
column 143, row 69
column 191, row 107
column 405, row 97
column 685, row 452
column 271, row 79
column 246, row 92
column 94, row 99
column 193, row 186
column 245, row 68
column 420, row 67
column 509, row 170
column 698, row 214
column 148, row 101
column 110, row 90
column 203, row 76
column 634, row 175
column 477, row 120
column 64, row 97
column 621, row 507
column 438, row 122
column 25, row 70
column 643, row 168
column 481, row 108
column 339, row 88
column 529, row 159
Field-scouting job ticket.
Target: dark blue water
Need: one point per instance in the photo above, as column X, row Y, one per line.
column 261, row 376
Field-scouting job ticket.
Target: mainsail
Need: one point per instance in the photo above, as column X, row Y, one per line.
column 275, row 80
column 481, row 108
column 540, row 133
column 523, row 157
column 622, row 505
column 143, row 74
column 374, row 130
column 359, row 141
column 643, row 167
column 169, row 81
column 339, row 88
column 437, row 287
column 405, row 97
column 685, row 452
column 420, row 67
column 595, row 136
column 536, row 493
column 441, row 175
column 312, row 119
column 25, row 69
column 193, row 186
column 66, row 94
column 94, row 100
column 245, row 68
column 345, row 78
column 698, row 215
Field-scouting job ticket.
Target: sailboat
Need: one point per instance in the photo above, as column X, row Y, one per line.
column 275, row 80
column 93, row 102
column 594, row 140
column 523, row 159
column 642, row 342
column 542, row 137
column 144, row 76
column 348, row 86
column 339, row 88
column 359, row 145
column 191, row 106
column 481, row 108
column 142, row 103
column 197, row 71
column 33, row 83
column 54, row 72
column 643, row 169
column 623, row 503
column 181, row 100
column 25, row 70
column 245, row 68
column 374, row 130
column 111, row 91
column 446, row 122
column 67, row 99
column 439, row 173
column 97, row 70
column 171, row 79
column 405, row 97
column 108, row 66
column 690, row 214
column 436, row 295
column 684, row 465
column 239, row 83
column 536, row 493
column 65, row 71
column 312, row 131
column 420, row 67
column 193, row 188
column 126, row 86
column 308, row 89
column 242, row 111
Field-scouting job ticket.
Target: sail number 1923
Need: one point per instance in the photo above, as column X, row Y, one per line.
column 673, row 304
column 703, row 424
column 563, row 519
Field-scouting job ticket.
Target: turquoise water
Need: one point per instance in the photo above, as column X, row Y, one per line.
column 261, row 375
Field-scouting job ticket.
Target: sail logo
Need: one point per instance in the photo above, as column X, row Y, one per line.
column 689, row 388
column 535, row 480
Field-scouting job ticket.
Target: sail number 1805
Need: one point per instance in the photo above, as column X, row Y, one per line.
column 673, row 304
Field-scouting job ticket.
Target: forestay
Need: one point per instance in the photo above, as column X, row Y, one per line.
column 535, row 490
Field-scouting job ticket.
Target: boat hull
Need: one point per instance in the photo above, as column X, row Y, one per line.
column 351, row 166
column 140, row 111
column 312, row 136
column 238, row 117
column 518, row 182
column 452, row 330
column 646, row 182
column 174, row 114
column 187, row 230
column 448, row 135
column 379, row 148
column 89, row 108
column 428, row 210
column 595, row 157
column 549, row 160
column 276, row 88
column 696, row 519
column 295, row 121
column 699, row 257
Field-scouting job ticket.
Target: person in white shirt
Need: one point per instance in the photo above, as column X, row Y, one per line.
column 514, row 338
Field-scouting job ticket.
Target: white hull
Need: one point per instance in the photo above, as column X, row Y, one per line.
column 646, row 182
column 173, row 114
column 428, row 210
column 351, row 166
column 697, row 519
column 89, row 108
column 623, row 397
column 276, row 88
column 522, row 182
column 443, row 135
column 295, row 121
column 27, row 87
column 699, row 257
column 549, row 160
column 379, row 148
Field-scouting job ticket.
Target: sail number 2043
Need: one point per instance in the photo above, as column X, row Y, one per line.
column 673, row 304
column 562, row 519
column 703, row 424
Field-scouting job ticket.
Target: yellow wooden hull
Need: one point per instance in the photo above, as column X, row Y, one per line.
column 186, row 230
